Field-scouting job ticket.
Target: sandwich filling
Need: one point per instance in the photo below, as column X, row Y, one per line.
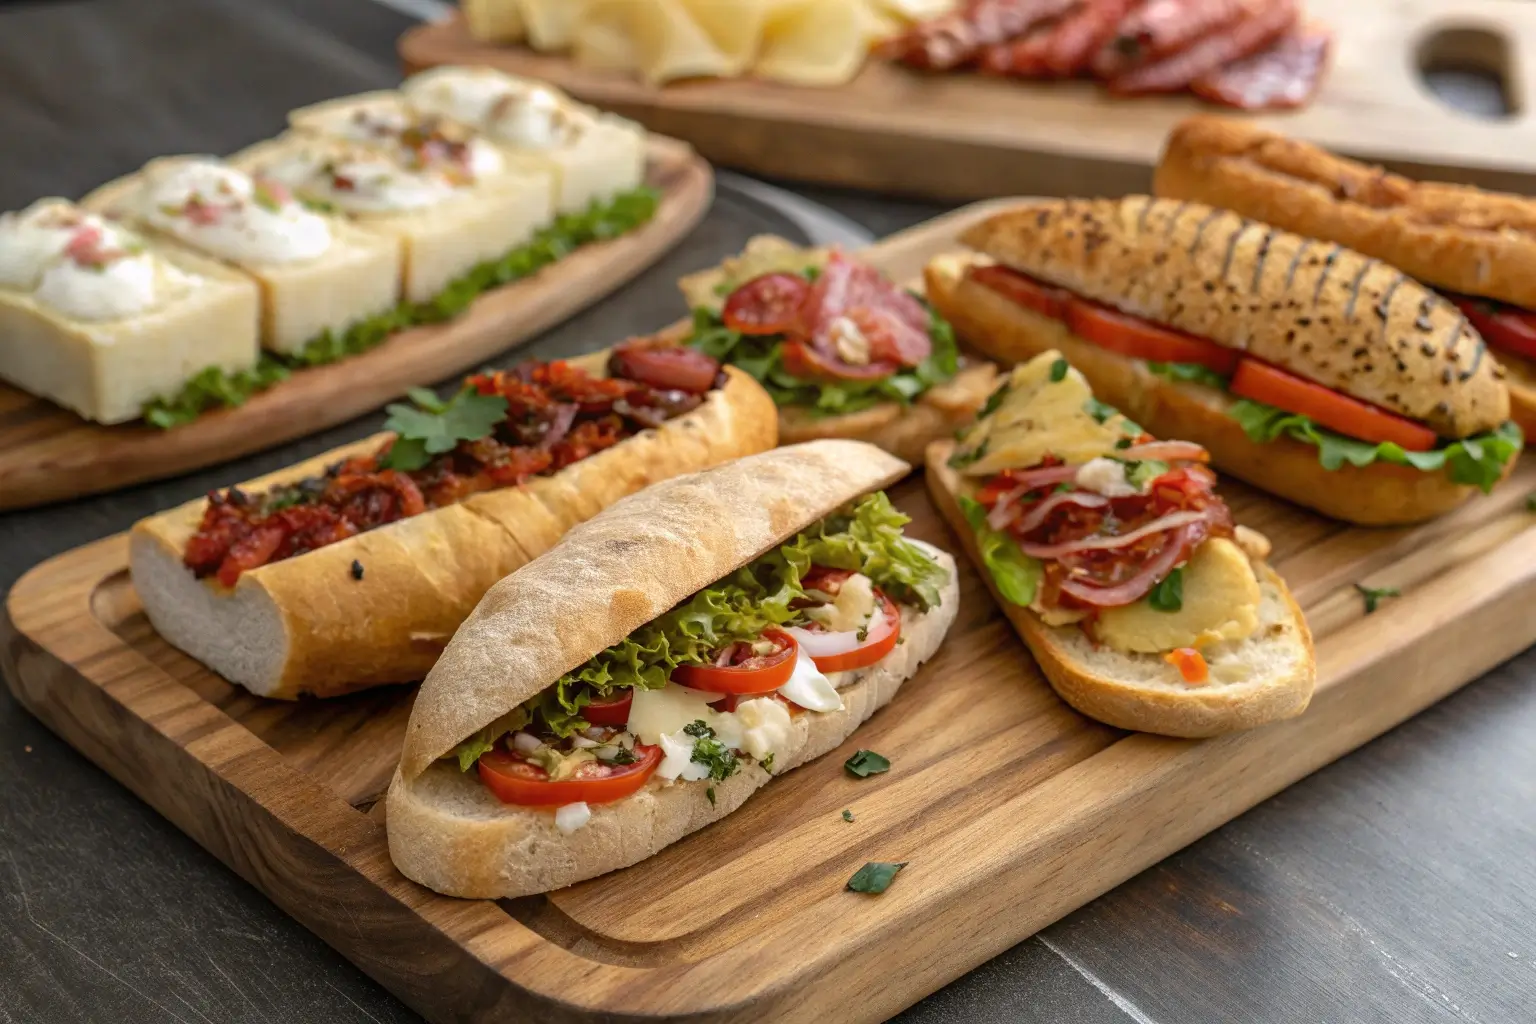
column 713, row 687
column 1268, row 402
column 1085, row 519
column 501, row 429
column 820, row 331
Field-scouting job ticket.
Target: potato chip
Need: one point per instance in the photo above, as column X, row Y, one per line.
column 669, row 44
column 816, row 42
column 605, row 38
column 551, row 24
column 493, row 21
column 735, row 26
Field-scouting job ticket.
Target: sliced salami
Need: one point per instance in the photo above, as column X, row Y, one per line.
column 960, row 37
column 1265, row 22
column 1280, row 78
column 1162, row 28
column 1077, row 38
column 853, row 308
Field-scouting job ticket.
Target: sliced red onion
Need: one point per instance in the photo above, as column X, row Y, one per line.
column 1030, row 479
column 1166, row 451
column 1135, row 588
column 820, row 644
column 1172, row 521
column 1037, row 515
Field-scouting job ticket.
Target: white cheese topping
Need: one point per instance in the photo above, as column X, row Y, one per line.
column 765, row 725
column 572, row 817
column 361, row 182
column 107, row 291
column 809, row 688
column 851, row 344
column 33, row 238
column 1106, row 477
column 522, row 114
column 678, row 762
column 416, row 141
column 850, row 610
column 224, row 212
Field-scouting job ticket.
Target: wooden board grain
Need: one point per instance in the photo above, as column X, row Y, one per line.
column 1010, row 808
column 47, row 453
column 965, row 136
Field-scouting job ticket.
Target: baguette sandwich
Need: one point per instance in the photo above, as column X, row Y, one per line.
column 843, row 351
column 661, row 663
column 1474, row 247
column 1118, row 564
column 354, row 568
column 1303, row 367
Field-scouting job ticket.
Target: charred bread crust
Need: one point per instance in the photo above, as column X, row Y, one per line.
column 1455, row 237
column 1322, row 311
column 1380, row 494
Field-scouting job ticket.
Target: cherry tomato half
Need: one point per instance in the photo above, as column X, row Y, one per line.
column 515, row 781
column 769, row 304
column 1045, row 299
column 1142, row 339
column 758, row 673
column 1349, row 416
column 667, row 367
column 1504, row 327
column 611, row 710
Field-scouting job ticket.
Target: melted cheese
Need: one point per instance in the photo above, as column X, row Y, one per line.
column 766, row 726
column 809, row 687
column 1221, row 602
column 850, row 609
column 655, row 713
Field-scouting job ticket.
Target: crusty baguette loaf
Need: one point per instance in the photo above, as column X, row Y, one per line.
column 1267, row 677
column 305, row 626
column 1380, row 494
column 449, row 833
column 1318, row 309
column 1455, row 237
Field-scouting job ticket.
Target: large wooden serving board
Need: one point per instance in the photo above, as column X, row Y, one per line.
column 48, row 453
column 965, row 136
column 1010, row 808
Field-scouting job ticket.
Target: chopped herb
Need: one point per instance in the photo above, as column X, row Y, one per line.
column 431, row 426
column 866, row 763
column 357, row 569
column 874, row 877
column 215, row 387
column 1059, row 370
column 1530, row 502
column 623, row 756
column 1373, row 595
column 1139, row 474
column 847, row 814
column 1124, row 442
column 767, row 763
column 811, row 272
column 1168, row 596
column 1192, row 373
column 698, row 730
column 961, row 459
column 710, row 752
column 710, row 792
column 993, row 401
column 724, row 288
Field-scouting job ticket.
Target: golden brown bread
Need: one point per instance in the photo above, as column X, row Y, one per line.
column 305, row 626
column 1380, row 494
column 1317, row 309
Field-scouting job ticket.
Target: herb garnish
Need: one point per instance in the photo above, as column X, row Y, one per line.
column 1168, row 596
column 866, row 763
column 961, row 459
column 215, row 387
column 710, row 792
column 1530, row 502
column 357, row 569
column 431, row 426
column 847, row 814
column 710, row 752
column 994, row 400
column 1373, row 595
column 766, row 764
column 1193, row 373
column 875, row 877
column 1059, row 370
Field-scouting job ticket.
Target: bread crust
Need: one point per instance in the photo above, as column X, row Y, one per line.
column 620, row 570
column 1322, row 311
column 1207, row 710
column 332, row 633
column 449, row 833
column 1380, row 494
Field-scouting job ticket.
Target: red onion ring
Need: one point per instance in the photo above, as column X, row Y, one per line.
column 1135, row 588
column 1172, row 521
column 821, row 644
column 1037, row 515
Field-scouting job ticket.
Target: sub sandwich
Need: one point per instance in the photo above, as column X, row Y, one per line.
column 665, row 660
column 354, row 568
column 1303, row 367
column 843, row 351
column 1119, row 565
column 1472, row 246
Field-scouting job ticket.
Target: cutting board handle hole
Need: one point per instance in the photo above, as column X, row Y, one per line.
column 1469, row 69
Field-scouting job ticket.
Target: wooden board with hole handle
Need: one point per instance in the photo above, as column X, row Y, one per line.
column 966, row 136
column 1010, row 808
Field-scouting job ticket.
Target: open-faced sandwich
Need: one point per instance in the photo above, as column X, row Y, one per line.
column 1303, row 367
column 843, row 351
column 662, row 662
column 1113, row 556
column 1474, row 247
column 354, row 568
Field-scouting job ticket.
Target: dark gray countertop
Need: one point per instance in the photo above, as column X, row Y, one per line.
column 1394, row 885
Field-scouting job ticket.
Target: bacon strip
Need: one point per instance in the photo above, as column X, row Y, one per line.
column 957, row 38
column 1261, row 28
column 1283, row 77
column 1164, row 27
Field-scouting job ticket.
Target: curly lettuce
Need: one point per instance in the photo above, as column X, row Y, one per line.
column 1016, row 575
column 1192, row 373
column 1478, row 461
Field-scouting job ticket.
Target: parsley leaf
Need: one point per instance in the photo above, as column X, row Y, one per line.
column 1373, row 595
column 1168, row 596
column 714, row 755
column 425, row 431
column 710, row 792
column 1016, row 575
column 1192, row 373
column 1059, row 371
column 866, row 763
column 847, row 814
column 875, row 877
column 993, row 401
column 963, row 457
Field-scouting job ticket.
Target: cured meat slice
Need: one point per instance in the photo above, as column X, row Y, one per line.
column 1282, row 77
column 1162, row 28
column 1267, row 21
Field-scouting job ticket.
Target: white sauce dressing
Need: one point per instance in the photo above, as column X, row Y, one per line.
column 225, row 212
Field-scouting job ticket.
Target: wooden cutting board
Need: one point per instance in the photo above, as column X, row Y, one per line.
column 1010, row 808
column 965, row 136
column 48, row 453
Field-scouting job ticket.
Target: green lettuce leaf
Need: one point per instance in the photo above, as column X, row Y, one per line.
column 1192, row 373
column 1016, row 574
column 1478, row 461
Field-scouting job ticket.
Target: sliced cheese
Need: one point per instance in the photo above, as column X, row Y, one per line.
column 1221, row 602
column 816, row 43
column 654, row 713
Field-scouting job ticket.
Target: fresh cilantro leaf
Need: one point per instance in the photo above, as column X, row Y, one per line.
column 1059, row 370
column 1192, row 373
column 427, row 399
column 847, row 814
column 1374, row 595
column 1168, row 596
column 424, row 432
column 866, row 763
column 1016, row 575
column 875, row 877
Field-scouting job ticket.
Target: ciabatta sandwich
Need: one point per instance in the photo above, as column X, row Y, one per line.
column 354, row 568
column 1303, row 367
column 1116, row 561
column 665, row 660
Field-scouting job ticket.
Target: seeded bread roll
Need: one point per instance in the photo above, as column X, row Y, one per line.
column 1324, row 312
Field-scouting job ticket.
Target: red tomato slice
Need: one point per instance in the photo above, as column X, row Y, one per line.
column 803, row 362
column 769, row 304
column 1045, row 299
column 1349, row 416
column 515, row 781
column 613, row 710
column 1142, row 339
column 824, row 579
column 760, row 673
column 870, row 652
column 1504, row 327
column 668, row 367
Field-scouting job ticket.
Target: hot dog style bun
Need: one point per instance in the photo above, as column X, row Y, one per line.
column 1320, row 313
column 604, row 580
column 1455, row 238
column 379, row 606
